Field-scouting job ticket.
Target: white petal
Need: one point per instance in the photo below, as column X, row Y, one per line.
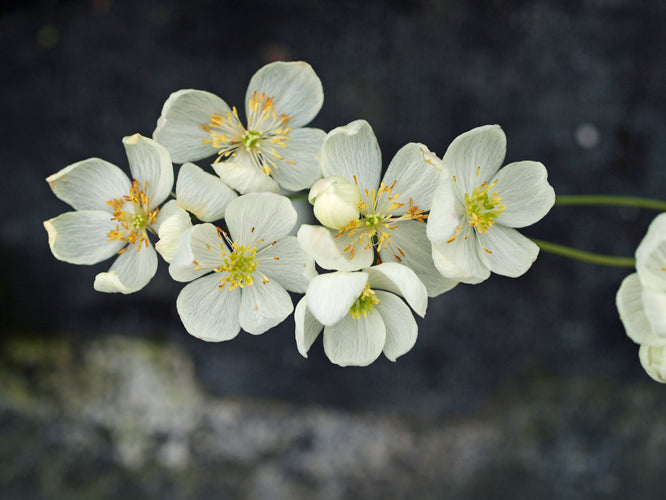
column 179, row 125
column 653, row 360
column 203, row 194
column 244, row 177
column 352, row 152
column 89, row 184
column 171, row 222
column 460, row 259
column 401, row 329
column 198, row 253
column 655, row 310
column 296, row 89
column 263, row 306
column 508, row 252
column 651, row 255
column 207, row 312
column 260, row 216
column 288, row 264
column 525, row 192
column 355, row 342
column 300, row 167
column 81, row 237
column 150, row 163
column 629, row 301
column 326, row 248
column 307, row 327
column 330, row 296
column 130, row 272
column 415, row 252
column 475, row 156
column 401, row 280
column 443, row 218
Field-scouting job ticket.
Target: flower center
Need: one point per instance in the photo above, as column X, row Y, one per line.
column 365, row 303
column 250, row 139
column 483, row 207
column 134, row 216
column 240, row 264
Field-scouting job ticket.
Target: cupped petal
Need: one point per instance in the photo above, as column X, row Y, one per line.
column 259, row 219
column 299, row 167
column 171, row 222
column 241, row 175
column 150, row 164
column 307, row 327
column 400, row 280
column 475, row 156
column 651, row 255
column 81, row 237
column 352, row 152
column 264, row 304
column 89, row 184
column 355, row 342
column 198, row 253
column 525, row 193
column 330, row 296
column 507, row 252
column 653, row 360
column 410, row 246
column 208, row 312
column 460, row 259
column 629, row 301
column 180, row 127
column 655, row 309
column 130, row 272
column 326, row 247
column 287, row 263
column 401, row 328
column 203, row 194
column 295, row 87
column 443, row 218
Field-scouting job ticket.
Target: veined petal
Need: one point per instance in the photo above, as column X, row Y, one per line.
column 629, row 301
column 299, row 168
column 243, row 176
column 130, row 272
column 401, row 328
column 295, row 87
column 150, row 163
column 263, row 306
column 655, row 310
column 89, row 184
column 201, row 193
column 400, row 280
column 208, row 312
column 508, row 252
column 443, row 217
column 81, row 237
column 355, row 342
column 330, row 296
column 476, row 156
column 260, row 218
column 653, row 360
column 651, row 255
column 525, row 193
column 352, row 152
column 171, row 222
column 326, row 248
column 198, row 253
column 288, row 264
column 179, row 127
column 307, row 327
column 460, row 259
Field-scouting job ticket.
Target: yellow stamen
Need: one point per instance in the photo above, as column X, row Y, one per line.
column 483, row 207
column 134, row 217
column 365, row 303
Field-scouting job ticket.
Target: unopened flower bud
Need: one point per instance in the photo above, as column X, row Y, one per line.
column 336, row 201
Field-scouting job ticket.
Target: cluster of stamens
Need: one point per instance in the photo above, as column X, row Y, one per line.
column 365, row 303
column 133, row 221
column 483, row 207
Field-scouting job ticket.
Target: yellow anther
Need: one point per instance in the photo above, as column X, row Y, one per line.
column 365, row 303
column 483, row 207
column 133, row 215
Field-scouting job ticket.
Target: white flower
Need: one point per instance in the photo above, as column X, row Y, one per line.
column 336, row 201
column 113, row 214
column 361, row 313
column 241, row 280
column 272, row 151
column 489, row 204
column 641, row 299
column 392, row 212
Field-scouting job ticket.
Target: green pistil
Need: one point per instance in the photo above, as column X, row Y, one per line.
column 240, row 265
column 482, row 208
column 365, row 303
column 372, row 220
column 250, row 139
column 138, row 221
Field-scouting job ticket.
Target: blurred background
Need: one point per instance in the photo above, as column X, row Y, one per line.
column 525, row 388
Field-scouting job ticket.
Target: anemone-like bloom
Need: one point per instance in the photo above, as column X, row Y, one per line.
column 489, row 203
column 392, row 212
column 641, row 300
column 240, row 280
column 361, row 313
column 113, row 214
column 273, row 151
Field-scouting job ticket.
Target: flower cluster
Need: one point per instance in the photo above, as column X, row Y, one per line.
column 385, row 243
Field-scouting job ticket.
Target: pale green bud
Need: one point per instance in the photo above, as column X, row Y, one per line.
column 336, row 201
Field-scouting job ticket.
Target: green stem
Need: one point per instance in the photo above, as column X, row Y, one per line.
column 624, row 201
column 594, row 258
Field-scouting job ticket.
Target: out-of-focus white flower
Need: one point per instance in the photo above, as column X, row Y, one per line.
column 113, row 214
column 361, row 313
column 392, row 212
column 273, row 151
column 241, row 280
column 336, row 201
column 489, row 204
column 653, row 361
